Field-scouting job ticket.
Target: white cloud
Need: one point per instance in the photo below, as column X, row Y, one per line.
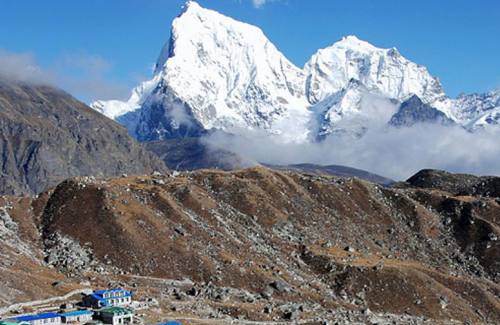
column 258, row 3
column 83, row 75
column 23, row 67
column 397, row 153
column 391, row 152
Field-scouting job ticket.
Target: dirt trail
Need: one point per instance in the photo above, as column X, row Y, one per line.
column 5, row 310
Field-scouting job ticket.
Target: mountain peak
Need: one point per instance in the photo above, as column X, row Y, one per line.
column 219, row 73
column 191, row 6
column 353, row 42
column 385, row 71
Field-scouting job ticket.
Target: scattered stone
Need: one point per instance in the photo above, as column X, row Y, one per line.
column 291, row 315
column 280, row 286
column 67, row 254
column 349, row 249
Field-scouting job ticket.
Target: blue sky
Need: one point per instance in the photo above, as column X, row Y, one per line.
column 104, row 47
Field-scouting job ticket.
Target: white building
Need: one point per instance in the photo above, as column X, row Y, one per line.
column 77, row 317
column 116, row 315
column 108, row 298
column 40, row 319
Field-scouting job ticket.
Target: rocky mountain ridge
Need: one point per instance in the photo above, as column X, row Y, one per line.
column 47, row 136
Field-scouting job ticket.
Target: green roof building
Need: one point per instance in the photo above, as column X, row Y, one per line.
column 115, row 315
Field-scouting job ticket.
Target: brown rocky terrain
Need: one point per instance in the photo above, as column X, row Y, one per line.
column 262, row 245
column 46, row 136
column 458, row 184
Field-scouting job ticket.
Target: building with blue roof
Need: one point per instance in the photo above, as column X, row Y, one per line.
column 108, row 298
column 39, row 319
column 12, row 322
column 77, row 316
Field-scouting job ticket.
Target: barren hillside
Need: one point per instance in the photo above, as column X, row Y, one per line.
column 265, row 245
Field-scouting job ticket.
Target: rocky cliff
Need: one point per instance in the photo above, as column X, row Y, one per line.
column 47, row 136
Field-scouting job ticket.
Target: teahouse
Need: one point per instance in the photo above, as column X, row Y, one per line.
column 39, row 319
column 115, row 315
column 108, row 298
column 77, row 316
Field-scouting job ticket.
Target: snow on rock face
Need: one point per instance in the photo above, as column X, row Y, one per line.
column 218, row 73
column 383, row 71
column 230, row 74
column 127, row 112
column 337, row 108
column 352, row 110
column 477, row 110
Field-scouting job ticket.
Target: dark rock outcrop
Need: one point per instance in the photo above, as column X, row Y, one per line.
column 191, row 153
column 47, row 136
column 457, row 184
column 335, row 170
column 414, row 111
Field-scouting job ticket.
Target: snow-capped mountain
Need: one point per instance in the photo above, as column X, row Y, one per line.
column 478, row 110
column 383, row 71
column 218, row 73
column 351, row 110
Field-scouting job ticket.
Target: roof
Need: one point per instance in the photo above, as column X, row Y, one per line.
column 6, row 322
column 170, row 323
column 116, row 310
column 98, row 295
column 101, row 292
column 77, row 313
column 29, row 318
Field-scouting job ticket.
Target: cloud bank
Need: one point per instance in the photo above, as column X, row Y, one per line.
column 397, row 153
